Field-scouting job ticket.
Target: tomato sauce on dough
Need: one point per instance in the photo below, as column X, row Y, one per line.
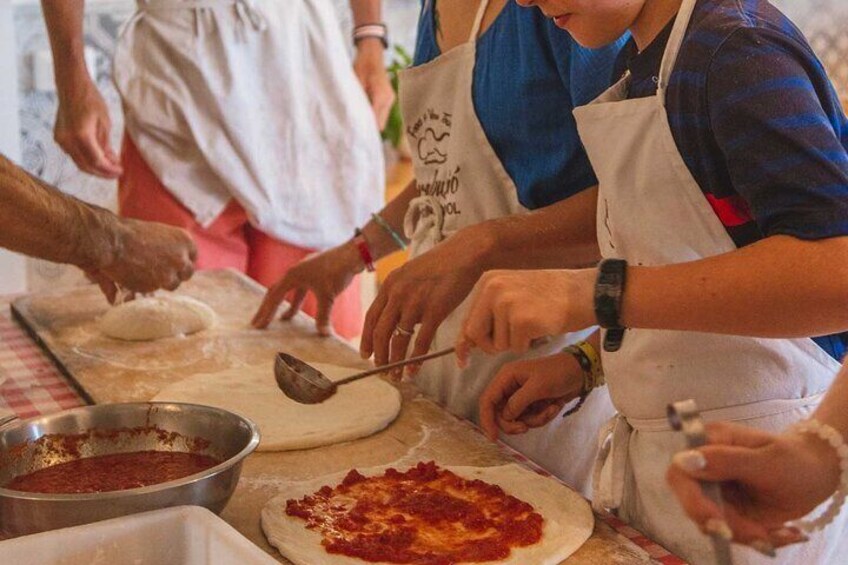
column 424, row 516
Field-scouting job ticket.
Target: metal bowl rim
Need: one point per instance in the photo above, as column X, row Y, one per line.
column 233, row 461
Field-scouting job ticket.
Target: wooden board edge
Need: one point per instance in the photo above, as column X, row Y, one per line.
column 22, row 321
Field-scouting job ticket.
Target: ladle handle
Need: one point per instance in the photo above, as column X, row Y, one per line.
column 384, row 368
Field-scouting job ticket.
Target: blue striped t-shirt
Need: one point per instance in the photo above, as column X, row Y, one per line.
column 757, row 122
column 528, row 77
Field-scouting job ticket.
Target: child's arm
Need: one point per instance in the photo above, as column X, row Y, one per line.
column 779, row 287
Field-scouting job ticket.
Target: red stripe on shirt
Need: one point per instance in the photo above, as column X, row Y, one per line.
column 731, row 210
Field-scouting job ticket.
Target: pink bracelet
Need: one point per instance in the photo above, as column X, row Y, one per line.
column 366, row 31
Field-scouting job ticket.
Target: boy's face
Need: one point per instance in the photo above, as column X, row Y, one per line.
column 592, row 23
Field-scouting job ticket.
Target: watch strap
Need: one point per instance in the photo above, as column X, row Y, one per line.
column 609, row 289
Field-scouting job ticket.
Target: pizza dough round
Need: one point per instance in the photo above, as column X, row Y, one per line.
column 157, row 317
column 357, row 410
column 569, row 521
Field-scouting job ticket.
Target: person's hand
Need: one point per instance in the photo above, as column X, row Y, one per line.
column 767, row 480
column 113, row 293
column 511, row 309
column 423, row 291
column 326, row 275
column 147, row 256
column 82, row 131
column 371, row 72
column 529, row 393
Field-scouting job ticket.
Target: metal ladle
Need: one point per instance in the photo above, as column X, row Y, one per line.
column 685, row 417
column 305, row 384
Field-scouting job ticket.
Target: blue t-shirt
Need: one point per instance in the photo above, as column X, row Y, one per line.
column 757, row 122
column 528, row 77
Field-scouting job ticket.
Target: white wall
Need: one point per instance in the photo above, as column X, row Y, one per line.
column 12, row 266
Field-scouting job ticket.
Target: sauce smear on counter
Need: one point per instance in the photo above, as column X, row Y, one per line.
column 119, row 471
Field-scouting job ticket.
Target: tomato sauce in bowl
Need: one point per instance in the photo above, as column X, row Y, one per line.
column 118, row 471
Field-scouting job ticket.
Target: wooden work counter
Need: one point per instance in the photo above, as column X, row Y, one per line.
column 63, row 323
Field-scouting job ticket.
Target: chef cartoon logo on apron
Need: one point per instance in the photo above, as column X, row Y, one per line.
column 430, row 135
column 461, row 182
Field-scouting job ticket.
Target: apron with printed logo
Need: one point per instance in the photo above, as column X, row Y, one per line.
column 462, row 182
column 651, row 212
column 254, row 100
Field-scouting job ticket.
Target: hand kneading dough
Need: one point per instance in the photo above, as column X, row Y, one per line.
column 157, row 317
column 568, row 519
column 356, row 410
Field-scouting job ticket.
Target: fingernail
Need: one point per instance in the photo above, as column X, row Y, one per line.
column 690, row 461
column 718, row 527
column 788, row 536
column 764, row 547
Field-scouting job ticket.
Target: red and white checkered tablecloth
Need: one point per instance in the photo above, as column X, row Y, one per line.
column 31, row 385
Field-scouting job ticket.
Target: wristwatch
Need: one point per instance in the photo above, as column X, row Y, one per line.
column 609, row 288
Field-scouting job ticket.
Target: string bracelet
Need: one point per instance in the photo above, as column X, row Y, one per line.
column 364, row 250
column 378, row 219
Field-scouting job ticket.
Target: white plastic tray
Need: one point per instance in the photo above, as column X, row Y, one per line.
column 183, row 535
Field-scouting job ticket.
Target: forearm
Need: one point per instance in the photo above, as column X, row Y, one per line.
column 64, row 20
column 832, row 409
column 40, row 221
column 780, row 287
column 562, row 235
column 380, row 241
column 366, row 11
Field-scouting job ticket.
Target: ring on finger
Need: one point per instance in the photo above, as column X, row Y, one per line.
column 399, row 331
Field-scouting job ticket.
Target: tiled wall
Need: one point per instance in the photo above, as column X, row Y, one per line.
column 824, row 21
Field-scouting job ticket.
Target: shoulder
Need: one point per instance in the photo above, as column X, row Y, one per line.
column 728, row 32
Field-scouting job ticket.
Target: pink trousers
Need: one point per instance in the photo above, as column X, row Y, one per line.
column 230, row 242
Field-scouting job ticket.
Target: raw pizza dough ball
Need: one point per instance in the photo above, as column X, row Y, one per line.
column 568, row 519
column 357, row 410
column 157, row 317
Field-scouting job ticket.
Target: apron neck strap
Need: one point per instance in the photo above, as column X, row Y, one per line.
column 675, row 41
column 478, row 20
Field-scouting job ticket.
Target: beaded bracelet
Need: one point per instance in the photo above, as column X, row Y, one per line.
column 378, row 219
column 835, row 440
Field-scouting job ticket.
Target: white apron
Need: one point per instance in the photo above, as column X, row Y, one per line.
column 462, row 182
column 651, row 211
column 254, row 100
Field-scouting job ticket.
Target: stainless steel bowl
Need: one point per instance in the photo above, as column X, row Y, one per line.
column 29, row 445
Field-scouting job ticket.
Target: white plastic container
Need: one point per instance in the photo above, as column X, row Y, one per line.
column 183, row 535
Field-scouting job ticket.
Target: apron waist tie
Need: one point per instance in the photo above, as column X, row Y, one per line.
column 610, row 468
column 247, row 10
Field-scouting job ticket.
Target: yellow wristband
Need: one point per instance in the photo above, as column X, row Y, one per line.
column 597, row 370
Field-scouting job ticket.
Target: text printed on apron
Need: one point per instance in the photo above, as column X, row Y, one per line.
column 463, row 182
